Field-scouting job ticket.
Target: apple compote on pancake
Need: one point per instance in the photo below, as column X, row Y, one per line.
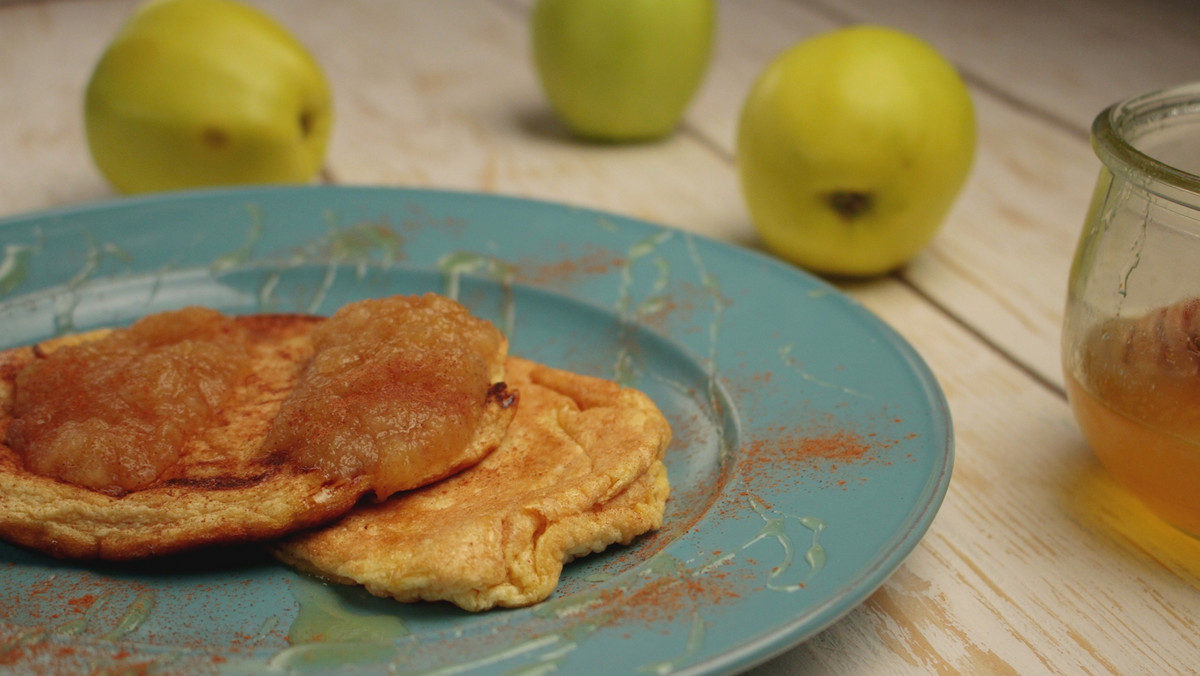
column 221, row 489
column 114, row 413
column 396, row 391
column 192, row 428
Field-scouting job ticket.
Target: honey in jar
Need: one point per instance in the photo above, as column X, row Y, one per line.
column 1136, row 396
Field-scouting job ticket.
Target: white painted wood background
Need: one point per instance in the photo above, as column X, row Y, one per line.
column 1036, row 563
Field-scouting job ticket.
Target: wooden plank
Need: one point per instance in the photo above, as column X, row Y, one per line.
column 47, row 51
column 1036, row 562
column 1066, row 59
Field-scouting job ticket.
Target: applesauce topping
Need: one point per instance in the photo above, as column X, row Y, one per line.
column 393, row 383
column 114, row 413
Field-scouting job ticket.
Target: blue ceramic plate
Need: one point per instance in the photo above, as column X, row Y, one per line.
column 812, row 445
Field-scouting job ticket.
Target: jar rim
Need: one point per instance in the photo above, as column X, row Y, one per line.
column 1110, row 141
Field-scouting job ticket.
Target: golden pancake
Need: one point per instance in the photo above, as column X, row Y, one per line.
column 214, row 480
column 580, row 468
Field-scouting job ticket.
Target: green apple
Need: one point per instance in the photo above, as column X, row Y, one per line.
column 851, row 148
column 205, row 92
column 621, row 70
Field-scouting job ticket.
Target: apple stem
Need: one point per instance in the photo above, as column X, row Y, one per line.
column 214, row 137
column 306, row 123
column 850, row 204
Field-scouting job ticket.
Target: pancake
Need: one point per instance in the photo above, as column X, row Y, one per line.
column 222, row 483
column 579, row 469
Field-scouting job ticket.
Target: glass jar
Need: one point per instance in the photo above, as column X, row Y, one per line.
column 1131, row 332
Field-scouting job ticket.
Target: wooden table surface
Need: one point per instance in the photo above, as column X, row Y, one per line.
column 1036, row 562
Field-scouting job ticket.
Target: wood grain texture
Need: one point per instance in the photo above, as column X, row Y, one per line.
column 1036, row 563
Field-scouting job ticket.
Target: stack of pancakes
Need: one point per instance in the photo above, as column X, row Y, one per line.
column 394, row 445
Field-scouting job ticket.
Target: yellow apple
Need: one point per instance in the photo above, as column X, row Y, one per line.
column 205, row 92
column 851, row 148
column 621, row 70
